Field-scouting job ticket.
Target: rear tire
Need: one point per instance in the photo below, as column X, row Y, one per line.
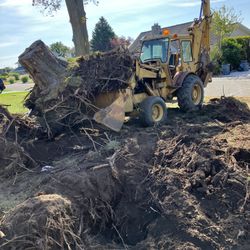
column 153, row 111
column 191, row 95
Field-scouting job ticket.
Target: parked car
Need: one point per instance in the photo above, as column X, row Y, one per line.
column 2, row 87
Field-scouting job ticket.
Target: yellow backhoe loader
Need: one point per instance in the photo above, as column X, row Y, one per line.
column 170, row 65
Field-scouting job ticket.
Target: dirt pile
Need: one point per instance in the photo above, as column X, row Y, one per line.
column 18, row 126
column 43, row 222
column 13, row 157
column 203, row 193
column 228, row 110
column 178, row 186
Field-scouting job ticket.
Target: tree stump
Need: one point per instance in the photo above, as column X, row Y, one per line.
column 64, row 93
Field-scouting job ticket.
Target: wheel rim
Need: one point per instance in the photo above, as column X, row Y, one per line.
column 196, row 94
column 157, row 112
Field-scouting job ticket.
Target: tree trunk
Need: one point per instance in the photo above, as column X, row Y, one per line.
column 43, row 66
column 78, row 22
column 48, row 72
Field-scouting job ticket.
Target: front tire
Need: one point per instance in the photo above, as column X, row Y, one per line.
column 153, row 111
column 191, row 95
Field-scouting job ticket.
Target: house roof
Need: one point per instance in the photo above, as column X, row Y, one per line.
column 176, row 29
column 182, row 29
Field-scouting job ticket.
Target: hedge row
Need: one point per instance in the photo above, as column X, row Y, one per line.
column 235, row 49
column 244, row 41
column 13, row 77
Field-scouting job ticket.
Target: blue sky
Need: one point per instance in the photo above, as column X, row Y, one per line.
column 21, row 23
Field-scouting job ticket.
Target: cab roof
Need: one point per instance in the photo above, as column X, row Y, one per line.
column 170, row 36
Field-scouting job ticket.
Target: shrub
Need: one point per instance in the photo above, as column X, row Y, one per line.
column 244, row 41
column 216, row 59
column 215, row 53
column 16, row 75
column 24, row 79
column 11, row 80
column 216, row 68
column 3, row 77
column 231, row 52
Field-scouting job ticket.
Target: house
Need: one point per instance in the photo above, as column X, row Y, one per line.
column 21, row 70
column 181, row 29
column 5, row 70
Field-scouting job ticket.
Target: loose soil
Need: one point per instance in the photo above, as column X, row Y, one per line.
column 182, row 185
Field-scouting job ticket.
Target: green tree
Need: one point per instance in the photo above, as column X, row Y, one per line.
column 121, row 41
column 225, row 21
column 77, row 17
column 102, row 36
column 60, row 49
column 6, row 70
column 231, row 52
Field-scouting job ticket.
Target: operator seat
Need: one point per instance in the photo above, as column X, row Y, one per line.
column 173, row 63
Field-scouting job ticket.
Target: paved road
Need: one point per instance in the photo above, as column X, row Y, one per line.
column 230, row 86
column 19, row 86
column 238, row 87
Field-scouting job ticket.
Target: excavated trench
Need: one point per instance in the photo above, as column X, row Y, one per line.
column 184, row 185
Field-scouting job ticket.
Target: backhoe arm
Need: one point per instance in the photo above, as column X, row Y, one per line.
column 200, row 31
column 205, row 43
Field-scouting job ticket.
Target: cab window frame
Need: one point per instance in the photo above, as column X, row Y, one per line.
column 165, row 60
column 191, row 51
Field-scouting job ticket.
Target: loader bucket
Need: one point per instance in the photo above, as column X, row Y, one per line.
column 112, row 116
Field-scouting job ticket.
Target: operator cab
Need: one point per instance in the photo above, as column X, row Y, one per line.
column 160, row 51
column 172, row 51
column 155, row 50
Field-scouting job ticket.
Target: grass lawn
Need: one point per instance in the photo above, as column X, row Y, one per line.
column 15, row 100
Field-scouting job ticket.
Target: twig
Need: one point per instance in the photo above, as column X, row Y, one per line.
column 14, row 179
column 91, row 139
column 247, row 193
column 49, row 132
column 9, row 126
column 123, row 243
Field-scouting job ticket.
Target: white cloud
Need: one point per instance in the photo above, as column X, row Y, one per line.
column 126, row 17
column 7, row 44
column 129, row 18
column 8, row 61
column 24, row 8
column 11, row 3
column 107, row 7
column 7, row 57
column 189, row 3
